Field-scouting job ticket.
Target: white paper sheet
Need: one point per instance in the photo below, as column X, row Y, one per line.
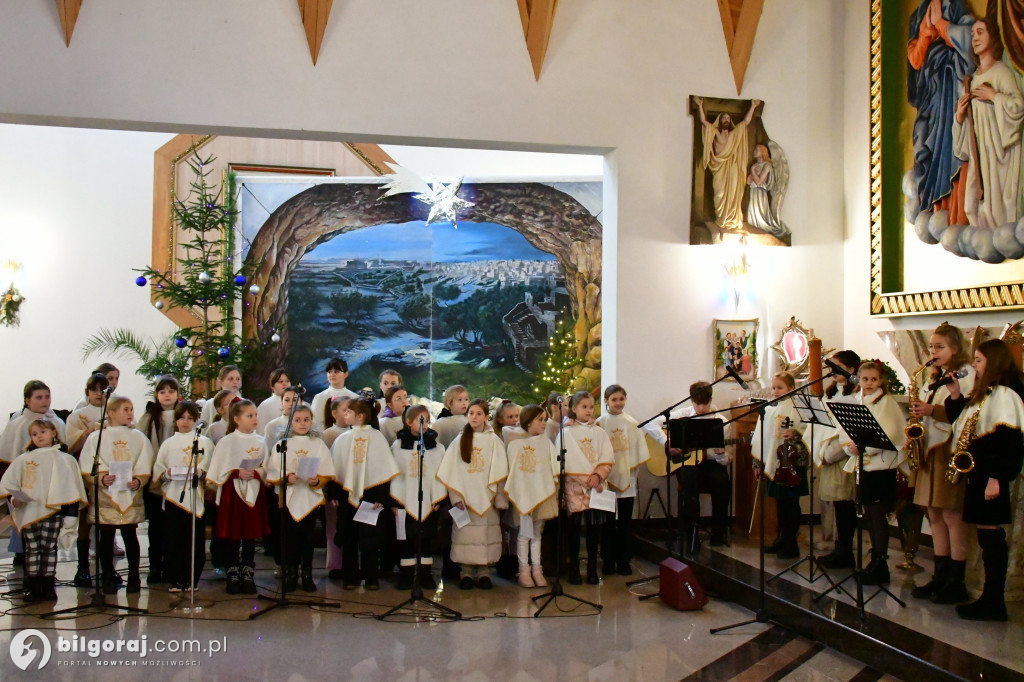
column 250, row 463
column 178, row 473
column 21, row 496
column 459, row 516
column 123, row 472
column 400, row 525
column 307, row 467
column 367, row 514
column 605, row 501
column 526, row 526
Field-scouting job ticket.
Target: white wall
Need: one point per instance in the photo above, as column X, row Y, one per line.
column 456, row 73
column 76, row 209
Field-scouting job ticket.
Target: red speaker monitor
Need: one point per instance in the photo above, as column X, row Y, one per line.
column 679, row 586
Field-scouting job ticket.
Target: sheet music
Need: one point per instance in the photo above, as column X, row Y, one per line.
column 605, row 501
column 400, row 525
column 367, row 514
column 123, row 473
column 459, row 516
column 307, row 467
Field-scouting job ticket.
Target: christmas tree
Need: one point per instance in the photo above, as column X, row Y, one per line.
column 555, row 369
column 204, row 282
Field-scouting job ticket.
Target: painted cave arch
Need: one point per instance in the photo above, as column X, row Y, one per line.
column 549, row 219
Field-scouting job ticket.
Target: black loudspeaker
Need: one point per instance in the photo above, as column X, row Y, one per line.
column 679, row 586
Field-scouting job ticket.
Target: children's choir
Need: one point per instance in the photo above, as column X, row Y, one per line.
column 361, row 461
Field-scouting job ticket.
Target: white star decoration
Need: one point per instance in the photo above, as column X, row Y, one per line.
column 444, row 202
column 443, row 199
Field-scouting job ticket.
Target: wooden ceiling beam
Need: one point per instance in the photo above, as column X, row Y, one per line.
column 67, row 10
column 314, row 20
column 739, row 24
column 537, row 17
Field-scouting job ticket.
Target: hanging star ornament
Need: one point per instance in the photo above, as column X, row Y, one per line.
column 442, row 199
column 444, row 202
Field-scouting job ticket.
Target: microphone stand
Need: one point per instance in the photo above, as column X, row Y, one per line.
column 283, row 601
column 761, row 615
column 416, row 596
column 192, row 483
column 563, row 523
column 97, row 601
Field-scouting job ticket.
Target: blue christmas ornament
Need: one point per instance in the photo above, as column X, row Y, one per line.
column 180, row 342
column 140, row 280
column 224, row 352
column 239, row 280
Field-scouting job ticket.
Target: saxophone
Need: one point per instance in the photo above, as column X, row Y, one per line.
column 962, row 461
column 915, row 429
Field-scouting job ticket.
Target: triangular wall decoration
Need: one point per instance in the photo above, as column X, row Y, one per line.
column 68, row 12
column 314, row 20
column 537, row 17
column 739, row 23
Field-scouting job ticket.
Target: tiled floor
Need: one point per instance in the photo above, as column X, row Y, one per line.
column 999, row 642
column 629, row 640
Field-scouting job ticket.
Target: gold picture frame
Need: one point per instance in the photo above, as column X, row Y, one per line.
column 888, row 296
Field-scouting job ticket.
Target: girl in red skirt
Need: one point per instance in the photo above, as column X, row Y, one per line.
column 238, row 469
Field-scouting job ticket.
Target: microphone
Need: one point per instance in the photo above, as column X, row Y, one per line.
column 560, row 398
column 948, row 379
column 735, row 375
column 836, row 369
column 200, row 426
column 108, row 390
column 300, row 390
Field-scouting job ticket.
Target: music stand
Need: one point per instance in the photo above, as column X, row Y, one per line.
column 812, row 411
column 865, row 432
column 695, row 433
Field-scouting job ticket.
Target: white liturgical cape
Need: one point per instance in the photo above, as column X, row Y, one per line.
column 228, row 456
column 475, row 482
column 532, row 472
column 50, row 477
column 302, row 498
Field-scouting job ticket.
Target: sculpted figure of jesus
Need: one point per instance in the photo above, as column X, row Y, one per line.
column 726, row 155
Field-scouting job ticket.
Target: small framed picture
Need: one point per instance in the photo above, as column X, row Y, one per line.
column 735, row 343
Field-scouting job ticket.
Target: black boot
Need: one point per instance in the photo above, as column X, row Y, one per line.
column 404, row 578
column 109, row 586
column 249, row 580
column 82, row 577
column 30, row 588
column 427, row 581
column 840, row 557
column 774, row 547
column 48, row 587
column 134, row 583
column 291, row 578
column 574, row 573
column 995, row 555
column 938, row 579
column 877, row 572
column 308, row 585
column 234, row 580
column 953, row 590
column 592, row 577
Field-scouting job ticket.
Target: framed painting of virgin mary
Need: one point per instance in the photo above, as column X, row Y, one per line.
column 947, row 169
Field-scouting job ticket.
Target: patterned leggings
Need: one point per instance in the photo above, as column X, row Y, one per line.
column 40, row 540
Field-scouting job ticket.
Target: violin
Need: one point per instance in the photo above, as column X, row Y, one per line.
column 789, row 455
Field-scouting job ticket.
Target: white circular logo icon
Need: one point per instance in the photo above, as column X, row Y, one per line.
column 26, row 651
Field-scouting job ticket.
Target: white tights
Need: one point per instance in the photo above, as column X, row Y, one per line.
column 527, row 546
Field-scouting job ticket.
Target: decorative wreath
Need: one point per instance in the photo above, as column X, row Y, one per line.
column 10, row 303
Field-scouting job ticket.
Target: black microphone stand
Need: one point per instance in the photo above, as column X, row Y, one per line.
column 761, row 615
column 283, row 601
column 563, row 524
column 443, row 613
column 97, row 601
column 192, row 484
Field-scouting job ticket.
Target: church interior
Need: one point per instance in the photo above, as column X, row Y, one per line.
column 591, row 176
